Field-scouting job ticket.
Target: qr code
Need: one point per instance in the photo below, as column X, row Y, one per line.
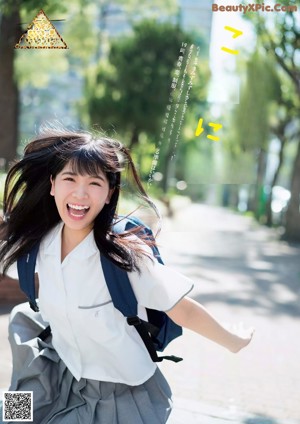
column 17, row 406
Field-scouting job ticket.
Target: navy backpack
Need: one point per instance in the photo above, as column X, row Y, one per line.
column 156, row 333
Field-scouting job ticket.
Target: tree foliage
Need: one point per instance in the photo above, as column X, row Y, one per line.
column 131, row 92
column 13, row 13
column 280, row 40
column 252, row 116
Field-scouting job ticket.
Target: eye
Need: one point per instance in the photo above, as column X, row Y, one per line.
column 96, row 183
column 68, row 179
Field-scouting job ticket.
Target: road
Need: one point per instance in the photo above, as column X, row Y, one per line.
column 242, row 273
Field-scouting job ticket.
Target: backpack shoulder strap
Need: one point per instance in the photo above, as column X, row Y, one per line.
column 125, row 301
column 119, row 287
column 117, row 280
column 26, row 267
column 122, row 293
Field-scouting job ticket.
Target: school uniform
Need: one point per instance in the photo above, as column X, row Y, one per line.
column 94, row 368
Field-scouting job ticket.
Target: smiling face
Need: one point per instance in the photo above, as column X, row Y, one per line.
column 79, row 198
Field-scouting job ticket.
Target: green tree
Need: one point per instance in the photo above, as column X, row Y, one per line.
column 132, row 90
column 284, row 117
column 84, row 35
column 281, row 41
column 10, row 33
column 186, row 154
column 252, row 117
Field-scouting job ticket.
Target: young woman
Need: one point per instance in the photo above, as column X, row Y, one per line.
column 94, row 367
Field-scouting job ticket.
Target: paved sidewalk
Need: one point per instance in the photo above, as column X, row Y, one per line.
column 241, row 273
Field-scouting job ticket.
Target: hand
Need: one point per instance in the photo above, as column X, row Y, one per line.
column 241, row 337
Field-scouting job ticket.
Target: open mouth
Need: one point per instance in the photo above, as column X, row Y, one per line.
column 77, row 211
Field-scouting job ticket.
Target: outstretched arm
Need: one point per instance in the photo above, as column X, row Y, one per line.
column 192, row 315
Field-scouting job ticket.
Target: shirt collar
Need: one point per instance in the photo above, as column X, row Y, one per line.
column 52, row 244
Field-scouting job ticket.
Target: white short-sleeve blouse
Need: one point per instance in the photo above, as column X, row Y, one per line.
column 89, row 334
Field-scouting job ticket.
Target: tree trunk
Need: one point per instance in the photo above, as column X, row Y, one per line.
column 169, row 164
column 273, row 183
column 259, row 205
column 10, row 32
column 292, row 225
column 166, row 173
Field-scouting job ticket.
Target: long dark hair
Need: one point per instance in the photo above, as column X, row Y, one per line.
column 30, row 211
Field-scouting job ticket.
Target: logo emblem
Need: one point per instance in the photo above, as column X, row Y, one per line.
column 41, row 34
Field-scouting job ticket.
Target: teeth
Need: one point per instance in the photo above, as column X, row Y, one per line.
column 77, row 207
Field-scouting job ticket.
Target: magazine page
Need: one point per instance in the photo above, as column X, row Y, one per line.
column 149, row 175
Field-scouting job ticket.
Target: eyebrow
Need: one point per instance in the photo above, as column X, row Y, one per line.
column 91, row 176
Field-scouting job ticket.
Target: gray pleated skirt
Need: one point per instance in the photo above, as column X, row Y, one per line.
column 58, row 398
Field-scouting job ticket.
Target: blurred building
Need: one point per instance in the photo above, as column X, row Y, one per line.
column 196, row 16
column 113, row 20
column 116, row 21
